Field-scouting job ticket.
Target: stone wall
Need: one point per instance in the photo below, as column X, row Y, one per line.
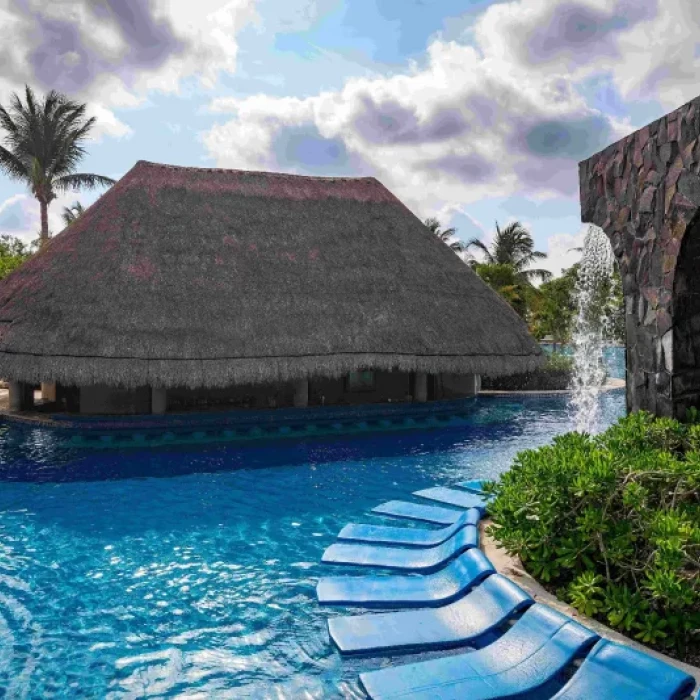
column 644, row 192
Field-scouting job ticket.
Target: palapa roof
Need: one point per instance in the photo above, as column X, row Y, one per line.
column 207, row 277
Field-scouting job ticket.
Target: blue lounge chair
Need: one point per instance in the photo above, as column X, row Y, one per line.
column 410, row 537
column 612, row 671
column 403, row 558
column 450, row 583
column 473, row 485
column 539, row 645
column 418, row 511
column 487, row 607
column 454, row 497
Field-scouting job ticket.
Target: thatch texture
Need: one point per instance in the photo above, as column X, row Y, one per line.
column 203, row 277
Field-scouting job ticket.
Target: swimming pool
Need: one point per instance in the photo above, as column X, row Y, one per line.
column 191, row 571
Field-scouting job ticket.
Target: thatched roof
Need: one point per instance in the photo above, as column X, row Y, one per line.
column 206, row 277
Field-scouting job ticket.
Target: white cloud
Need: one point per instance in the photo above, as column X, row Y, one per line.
column 509, row 109
column 559, row 251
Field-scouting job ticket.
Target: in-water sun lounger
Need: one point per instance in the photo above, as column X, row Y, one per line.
column 418, row 511
column 410, row 537
column 403, row 558
column 393, row 591
column 530, row 653
column 612, row 672
column 487, row 607
column 473, row 485
column 454, row 497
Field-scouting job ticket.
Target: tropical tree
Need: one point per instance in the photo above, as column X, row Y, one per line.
column 71, row 213
column 13, row 252
column 505, row 280
column 513, row 246
column 555, row 307
column 445, row 235
column 43, row 147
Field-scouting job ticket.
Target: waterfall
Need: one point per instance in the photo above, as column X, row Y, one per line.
column 592, row 328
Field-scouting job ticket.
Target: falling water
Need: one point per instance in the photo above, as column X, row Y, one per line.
column 592, row 329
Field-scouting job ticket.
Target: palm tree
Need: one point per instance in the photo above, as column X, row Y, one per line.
column 71, row 213
column 513, row 246
column 44, row 147
column 433, row 226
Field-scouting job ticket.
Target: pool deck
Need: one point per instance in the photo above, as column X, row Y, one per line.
column 512, row 568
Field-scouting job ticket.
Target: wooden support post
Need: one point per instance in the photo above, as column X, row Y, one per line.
column 301, row 393
column 159, row 399
column 420, row 393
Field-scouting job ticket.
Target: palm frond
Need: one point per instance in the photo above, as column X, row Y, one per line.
column 12, row 165
column 70, row 214
column 476, row 243
column 82, row 180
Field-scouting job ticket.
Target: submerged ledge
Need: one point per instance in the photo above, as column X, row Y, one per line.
column 610, row 385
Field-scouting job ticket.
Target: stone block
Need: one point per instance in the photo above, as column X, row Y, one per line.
column 689, row 186
column 672, row 129
column 647, row 200
column 663, row 383
column 687, row 153
column 668, row 197
column 663, row 321
column 667, row 344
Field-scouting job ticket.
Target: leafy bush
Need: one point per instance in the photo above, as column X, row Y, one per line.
column 558, row 361
column 613, row 524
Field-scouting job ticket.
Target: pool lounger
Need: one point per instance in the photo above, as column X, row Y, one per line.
column 473, row 485
column 487, row 607
column 418, row 511
column 454, row 497
column 539, row 645
column 394, row 591
column 411, row 537
column 612, row 671
column 403, row 558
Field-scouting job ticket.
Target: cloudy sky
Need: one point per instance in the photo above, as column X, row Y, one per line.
column 473, row 111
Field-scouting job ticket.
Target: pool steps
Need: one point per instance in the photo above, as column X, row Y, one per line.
column 518, row 645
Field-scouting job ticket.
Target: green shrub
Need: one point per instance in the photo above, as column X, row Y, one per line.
column 613, row 523
column 558, row 361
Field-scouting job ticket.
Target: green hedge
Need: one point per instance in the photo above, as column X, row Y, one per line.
column 612, row 524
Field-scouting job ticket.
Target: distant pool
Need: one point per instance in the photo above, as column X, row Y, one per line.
column 613, row 356
column 202, row 584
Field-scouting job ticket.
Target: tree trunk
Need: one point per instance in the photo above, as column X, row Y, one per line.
column 44, row 237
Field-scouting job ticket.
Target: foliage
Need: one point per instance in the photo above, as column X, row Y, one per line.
column 614, row 521
column 555, row 309
column 44, row 145
column 445, row 235
column 505, row 280
column 13, row 252
column 513, row 246
column 71, row 213
column 558, row 361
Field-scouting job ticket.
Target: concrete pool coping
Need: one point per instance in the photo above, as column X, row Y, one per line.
column 610, row 385
column 512, row 568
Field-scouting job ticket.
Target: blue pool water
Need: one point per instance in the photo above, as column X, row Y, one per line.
column 191, row 572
